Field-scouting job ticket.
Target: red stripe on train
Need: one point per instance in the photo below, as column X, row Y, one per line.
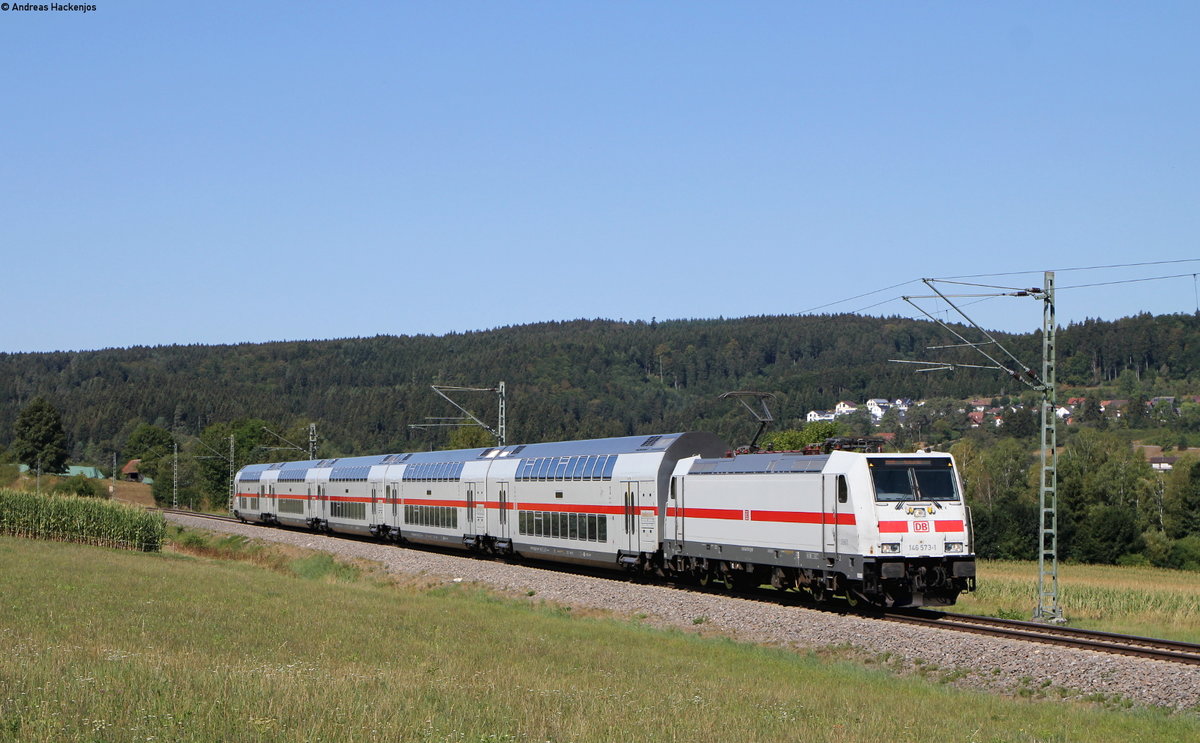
column 778, row 517
column 901, row 527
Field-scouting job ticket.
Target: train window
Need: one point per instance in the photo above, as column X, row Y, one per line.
column 935, row 484
column 560, row 468
column 539, row 472
column 892, row 483
column 573, row 526
column 842, row 490
column 562, row 525
column 609, row 465
column 922, row 481
column 591, row 527
column 558, row 493
column 602, row 528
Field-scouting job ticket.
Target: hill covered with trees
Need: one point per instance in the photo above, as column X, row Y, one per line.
column 581, row 378
column 593, row 378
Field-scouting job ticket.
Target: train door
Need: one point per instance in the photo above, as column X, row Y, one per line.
column 475, row 511
column 503, row 495
column 647, row 522
column 376, row 514
column 631, row 540
column 675, row 509
column 393, row 497
column 829, row 512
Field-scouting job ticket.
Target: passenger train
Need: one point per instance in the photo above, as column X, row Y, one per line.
column 887, row 529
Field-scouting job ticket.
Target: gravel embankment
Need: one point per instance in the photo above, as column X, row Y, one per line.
column 959, row 658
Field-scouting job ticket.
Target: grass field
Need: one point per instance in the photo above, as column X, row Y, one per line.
column 1132, row 600
column 104, row 645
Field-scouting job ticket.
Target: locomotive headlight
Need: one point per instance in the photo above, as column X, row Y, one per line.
column 954, row 546
column 892, row 548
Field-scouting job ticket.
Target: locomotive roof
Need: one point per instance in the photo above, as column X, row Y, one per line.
column 767, row 462
column 704, row 443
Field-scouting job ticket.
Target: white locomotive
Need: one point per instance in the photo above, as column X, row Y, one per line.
column 889, row 529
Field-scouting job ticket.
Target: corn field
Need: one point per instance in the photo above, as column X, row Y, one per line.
column 82, row 520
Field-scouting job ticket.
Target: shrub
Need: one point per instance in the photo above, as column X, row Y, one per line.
column 1185, row 553
column 84, row 487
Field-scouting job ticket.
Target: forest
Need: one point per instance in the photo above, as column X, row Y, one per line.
column 594, row 378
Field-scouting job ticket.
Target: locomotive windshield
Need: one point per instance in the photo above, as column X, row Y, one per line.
column 913, row 479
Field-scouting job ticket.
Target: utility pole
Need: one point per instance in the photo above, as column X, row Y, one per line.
column 1048, row 609
column 502, row 434
column 228, row 459
column 175, row 476
column 468, row 418
column 232, row 487
column 312, row 441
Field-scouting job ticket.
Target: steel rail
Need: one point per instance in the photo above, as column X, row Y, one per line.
column 1106, row 642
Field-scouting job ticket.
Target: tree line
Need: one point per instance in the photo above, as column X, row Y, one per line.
column 594, row 378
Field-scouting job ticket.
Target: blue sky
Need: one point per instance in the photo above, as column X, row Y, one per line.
column 229, row 172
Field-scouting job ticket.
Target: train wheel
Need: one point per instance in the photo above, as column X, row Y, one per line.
column 819, row 592
column 780, row 580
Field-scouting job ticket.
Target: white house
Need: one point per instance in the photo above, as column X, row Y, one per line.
column 820, row 415
column 877, row 406
column 844, row 408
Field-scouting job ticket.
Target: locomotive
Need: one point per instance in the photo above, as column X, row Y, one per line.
column 886, row 529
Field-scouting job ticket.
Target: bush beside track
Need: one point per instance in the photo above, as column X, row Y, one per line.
column 82, row 520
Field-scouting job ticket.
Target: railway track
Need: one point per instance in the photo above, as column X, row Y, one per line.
column 197, row 514
column 1048, row 634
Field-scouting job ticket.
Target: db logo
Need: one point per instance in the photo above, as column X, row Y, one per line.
column 920, row 526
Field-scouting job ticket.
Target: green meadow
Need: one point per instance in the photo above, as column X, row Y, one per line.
column 235, row 641
column 1146, row 601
